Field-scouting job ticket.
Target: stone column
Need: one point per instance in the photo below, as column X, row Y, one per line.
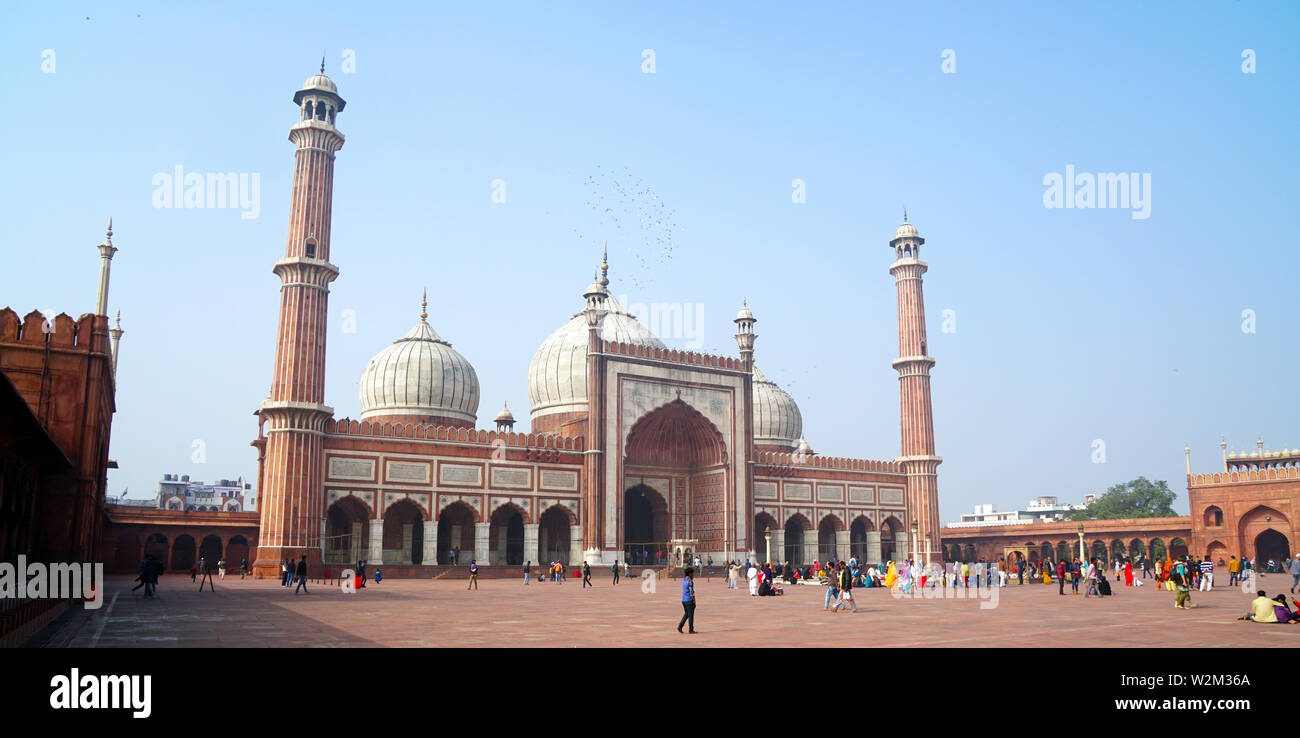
column 482, row 534
column 874, row 554
column 376, row 555
column 842, row 545
column 575, row 545
column 429, row 556
column 901, row 550
column 778, row 546
column 530, row 543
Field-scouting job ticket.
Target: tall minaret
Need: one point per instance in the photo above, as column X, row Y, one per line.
column 292, row 498
column 106, row 251
column 913, row 365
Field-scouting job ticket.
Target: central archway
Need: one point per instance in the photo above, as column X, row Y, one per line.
column 677, row 441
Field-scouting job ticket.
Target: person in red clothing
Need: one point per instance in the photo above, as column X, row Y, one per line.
column 1128, row 572
column 1060, row 576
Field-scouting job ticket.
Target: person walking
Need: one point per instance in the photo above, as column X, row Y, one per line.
column 832, row 587
column 148, row 576
column 302, row 575
column 1207, row 574
column 206, row 574
column 1183, row 598
column 1234, row 570
column 221, row 569
column 614, row 569
column 526, row 563
column 1060, row 577
column 846, row 590
column 586, row 576
column 361, row 572
column 1090, row 575
column 1075, row 575
column 473, row 574
column 688, row 600
column 243, row 567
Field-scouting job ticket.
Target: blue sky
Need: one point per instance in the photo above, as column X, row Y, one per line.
column 1071, row 325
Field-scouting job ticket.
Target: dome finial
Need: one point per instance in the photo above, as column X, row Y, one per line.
column 108, row 237
column 322, row 62
column 904, row 213
column 604, row 267
column 424, row 305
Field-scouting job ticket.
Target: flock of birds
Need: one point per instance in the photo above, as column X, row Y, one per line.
column 630, row 213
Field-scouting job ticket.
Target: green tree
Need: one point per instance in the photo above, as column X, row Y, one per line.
column 1140, row 498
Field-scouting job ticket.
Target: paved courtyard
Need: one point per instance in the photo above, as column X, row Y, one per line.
column 504, row 612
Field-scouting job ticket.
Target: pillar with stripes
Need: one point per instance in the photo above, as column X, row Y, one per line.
column 295, row 414
column 913, row 364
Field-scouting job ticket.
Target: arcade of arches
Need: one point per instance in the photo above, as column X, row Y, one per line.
column 403, row 537
column 799, row 542
column 176, row 539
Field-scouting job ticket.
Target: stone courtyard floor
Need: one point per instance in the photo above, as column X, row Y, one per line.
column 504, row 612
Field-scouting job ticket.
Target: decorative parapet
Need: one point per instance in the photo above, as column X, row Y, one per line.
column 34, row 328
column 1248, row 475
column 690, row 358
column 806, row 461
column 452, row 434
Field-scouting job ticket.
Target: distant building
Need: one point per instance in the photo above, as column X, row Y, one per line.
column 1039, row 510
column 179, row 492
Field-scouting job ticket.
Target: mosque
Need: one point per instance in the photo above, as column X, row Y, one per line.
column 636, row 452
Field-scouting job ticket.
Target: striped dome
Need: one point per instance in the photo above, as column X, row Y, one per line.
column 557, row 376
column 777, row 421
column 420, row 374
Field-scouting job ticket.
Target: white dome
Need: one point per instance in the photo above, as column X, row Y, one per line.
column 777, row 421
column 320, row 82
column 420, row 374
column 557, row 376
column 906, row 230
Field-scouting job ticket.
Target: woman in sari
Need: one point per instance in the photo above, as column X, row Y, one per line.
column 905, row 577
column 891, row 575
column 1128, row 572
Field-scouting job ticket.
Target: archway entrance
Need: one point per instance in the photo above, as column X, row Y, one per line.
column 210, row 552
column 403, row 533
column 826, row 530
column 889, row 528
column 553, row 535
column 506, row 536
column 795, row 530
column 858, row 538
column 676, row 440
column 236, row 551
column 645, row 525
column 347, row 536
column 156, row 544
column 456, row 534
column 183, row 551
column 1271, row 545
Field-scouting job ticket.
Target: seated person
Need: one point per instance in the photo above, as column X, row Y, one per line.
column 1284, row 613
column 1261, row 609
